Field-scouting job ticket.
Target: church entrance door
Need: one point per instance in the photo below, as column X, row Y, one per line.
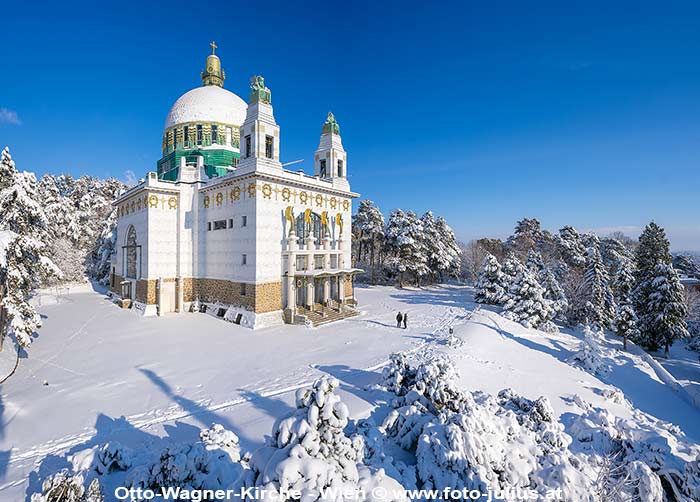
column 167, row 297
column 300, row 293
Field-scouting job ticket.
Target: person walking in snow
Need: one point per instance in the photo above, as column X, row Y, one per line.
column 398, row 320
column 405, row 320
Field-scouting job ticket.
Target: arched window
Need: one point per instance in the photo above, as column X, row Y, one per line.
column 303, row 229
column 131, row 254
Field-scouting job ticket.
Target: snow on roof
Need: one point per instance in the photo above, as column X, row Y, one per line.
column 207, row 104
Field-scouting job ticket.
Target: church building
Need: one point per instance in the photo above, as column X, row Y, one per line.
column 222, row 223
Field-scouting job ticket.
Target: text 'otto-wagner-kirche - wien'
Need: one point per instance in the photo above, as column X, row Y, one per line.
column 223, row 222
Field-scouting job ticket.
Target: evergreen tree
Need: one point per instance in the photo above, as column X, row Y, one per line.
column 526, row 303
column 598, row 308
column 658, row 295
column 368, row 235
column 22, row 260
column 626, row 323
column 571, row 250
column 663, row 320
column 441, row 247
column 404, row 244
column 527, row 235
column 553, row 291
column 492, row 286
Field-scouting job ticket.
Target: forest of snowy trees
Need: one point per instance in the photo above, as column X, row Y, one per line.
column 580, row 279
column 56, row 229
column 422, row 249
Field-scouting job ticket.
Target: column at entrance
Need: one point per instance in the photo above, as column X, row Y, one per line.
column 310, row 294
column 326, row 290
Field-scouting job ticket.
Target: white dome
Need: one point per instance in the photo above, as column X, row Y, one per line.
column 207, row 104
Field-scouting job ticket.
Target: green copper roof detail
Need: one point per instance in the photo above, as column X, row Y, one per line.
column 258, row 92
column 331, row 125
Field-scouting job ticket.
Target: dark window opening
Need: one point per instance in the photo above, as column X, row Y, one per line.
column 186, row 139
column 214, row 133
column 269, row 142
column 340, row 168
column 219, row 224
column 244, row 221
column 324, row 173
column 199, row 134
column 247, row 146
column 243, row 288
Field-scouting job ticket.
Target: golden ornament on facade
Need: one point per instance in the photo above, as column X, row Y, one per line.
column 346, row 205
column 153, row 201
column 303, row 197
column 206, row 201
column 145, row 201
column 267, row 190
column 138, row 203
column 219, row 198
column 286, row 194
column 334, row 202
column 251, row 189
column 319, row 200
column 236, row 193
column 172, row 203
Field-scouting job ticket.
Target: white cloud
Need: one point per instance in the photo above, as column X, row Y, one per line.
column 9, row 117
column 130, row 177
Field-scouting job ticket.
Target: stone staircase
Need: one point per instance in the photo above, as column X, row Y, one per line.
column 321, row 314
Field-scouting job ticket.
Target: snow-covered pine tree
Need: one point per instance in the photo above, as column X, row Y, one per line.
column 528, row 233
column 492, row 286
column 80, row 217
column 626, row 323
column 405, row 249
column 663, row 320
column 526, row 303
column 368, row 235
column 553, row 291
column 450, row 259
column 22, row 260
column 570, row 247
column 656, row 292
column 441, row 247
column 598, row 308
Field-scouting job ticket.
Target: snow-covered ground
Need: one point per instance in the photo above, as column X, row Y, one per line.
column 112, row 375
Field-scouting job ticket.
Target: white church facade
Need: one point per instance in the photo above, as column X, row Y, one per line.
column 222, row 223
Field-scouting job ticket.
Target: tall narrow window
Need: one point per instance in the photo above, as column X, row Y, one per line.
column 244, row 221
column 199, row 134
column 269, row 143
column 243, row 289
column 214, row 133
column 186, row 138
column 131, row 252
column 175, row 138
column 340, row 168
column 247, row 146
column 244, row 260
column 323, row 172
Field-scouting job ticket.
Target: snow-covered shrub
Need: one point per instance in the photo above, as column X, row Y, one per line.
column 694, row 335
column 212, row 463
column 309, row 450
column 477, row 441
column 65, row 486
column 589, row 355
column 112, row 457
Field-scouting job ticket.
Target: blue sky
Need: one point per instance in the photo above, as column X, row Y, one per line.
column 580, row 113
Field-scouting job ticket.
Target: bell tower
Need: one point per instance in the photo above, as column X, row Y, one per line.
column 260, row 134
column 330, row 159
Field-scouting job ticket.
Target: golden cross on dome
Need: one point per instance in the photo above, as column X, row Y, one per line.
column 213, row 46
